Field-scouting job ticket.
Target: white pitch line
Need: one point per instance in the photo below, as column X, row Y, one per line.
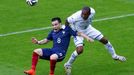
column 19, row 32
column 115, row 17
column 45, row 28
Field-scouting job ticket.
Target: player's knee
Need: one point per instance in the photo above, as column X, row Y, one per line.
column 54, row 57
column 79, row 49
column 104, row 40
column 38, row 51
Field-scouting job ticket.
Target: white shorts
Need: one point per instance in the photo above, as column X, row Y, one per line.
column 91, row 32
column 78, row 41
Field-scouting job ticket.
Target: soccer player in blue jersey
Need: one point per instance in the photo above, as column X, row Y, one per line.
column 60, row 35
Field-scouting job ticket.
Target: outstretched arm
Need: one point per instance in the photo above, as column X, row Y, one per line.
column 75, row 33
column 85, row 36
column 35, row 41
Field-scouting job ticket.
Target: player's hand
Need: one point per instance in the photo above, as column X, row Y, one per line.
column 34, row 40
column 90, row 39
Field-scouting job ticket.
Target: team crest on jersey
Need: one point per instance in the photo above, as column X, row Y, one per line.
column 63, row 32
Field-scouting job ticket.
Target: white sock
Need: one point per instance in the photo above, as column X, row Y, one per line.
column 72, row 58
column 110, row 49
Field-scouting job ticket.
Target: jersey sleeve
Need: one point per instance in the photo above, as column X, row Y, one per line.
column 49, row 37
column 72, row 32
column 71, row 19
column 92, row 13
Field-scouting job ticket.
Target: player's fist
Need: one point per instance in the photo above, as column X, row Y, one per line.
column 90, row 39
column 34, row 40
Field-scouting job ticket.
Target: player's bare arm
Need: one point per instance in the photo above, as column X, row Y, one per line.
column 85, row 36
column 35, row 41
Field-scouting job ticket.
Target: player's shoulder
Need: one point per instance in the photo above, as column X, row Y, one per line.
column 65, row 27
column 92, row 10
column 76, row 14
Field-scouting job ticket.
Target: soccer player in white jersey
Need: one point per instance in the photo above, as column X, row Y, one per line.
column 81, row 22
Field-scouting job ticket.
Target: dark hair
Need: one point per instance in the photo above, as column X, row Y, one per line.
column 56, row 18
column 87, row 9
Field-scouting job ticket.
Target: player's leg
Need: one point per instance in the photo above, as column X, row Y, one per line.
column 48, row 54
column 35, row 56
column 108, row 46
column 57, row 56
column 95, row 34
column 111, row 49
column 74, row 55
column 53, row 60
column 79, row 49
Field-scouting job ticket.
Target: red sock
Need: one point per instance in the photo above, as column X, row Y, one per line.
column 52, row 66
column 34, row 60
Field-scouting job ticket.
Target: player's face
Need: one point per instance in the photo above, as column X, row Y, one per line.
column 56, row 25
column 85, row 14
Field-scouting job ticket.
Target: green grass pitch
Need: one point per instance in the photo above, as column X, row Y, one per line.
column 16, row 50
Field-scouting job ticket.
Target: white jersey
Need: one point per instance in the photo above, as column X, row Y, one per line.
column 78, row 23
column 81, row 25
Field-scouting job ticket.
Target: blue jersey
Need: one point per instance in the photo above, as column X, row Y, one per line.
column 61, row 38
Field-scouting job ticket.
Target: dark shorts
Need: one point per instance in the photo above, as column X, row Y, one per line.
column 47, row 52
